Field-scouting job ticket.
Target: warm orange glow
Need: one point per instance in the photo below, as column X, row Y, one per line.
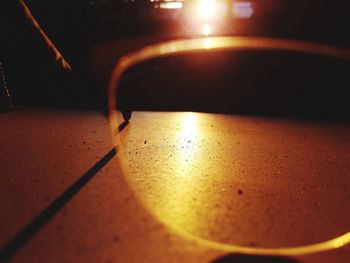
column 182, row 182
column 206, row 29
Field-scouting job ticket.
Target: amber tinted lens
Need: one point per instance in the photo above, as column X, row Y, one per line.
column 241, row 175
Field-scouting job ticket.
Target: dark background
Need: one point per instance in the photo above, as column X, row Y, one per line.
column 80, row 28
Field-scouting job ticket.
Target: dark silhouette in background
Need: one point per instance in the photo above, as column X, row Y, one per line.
column 37, row 71
column 40, row 38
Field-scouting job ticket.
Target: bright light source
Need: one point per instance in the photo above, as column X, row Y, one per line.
column 208, row 43
column 206, row 8
column 171, row 5
column 206, row 30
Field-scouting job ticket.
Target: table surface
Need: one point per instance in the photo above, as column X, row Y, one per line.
column 180, row 186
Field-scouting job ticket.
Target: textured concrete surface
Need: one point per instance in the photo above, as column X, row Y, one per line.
column 268, row 183
column 247, row 181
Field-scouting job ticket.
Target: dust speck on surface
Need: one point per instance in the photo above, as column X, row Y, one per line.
column 145, row 142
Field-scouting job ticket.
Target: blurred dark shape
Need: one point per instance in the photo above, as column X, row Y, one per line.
column 37, row 71
column 273, row 83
